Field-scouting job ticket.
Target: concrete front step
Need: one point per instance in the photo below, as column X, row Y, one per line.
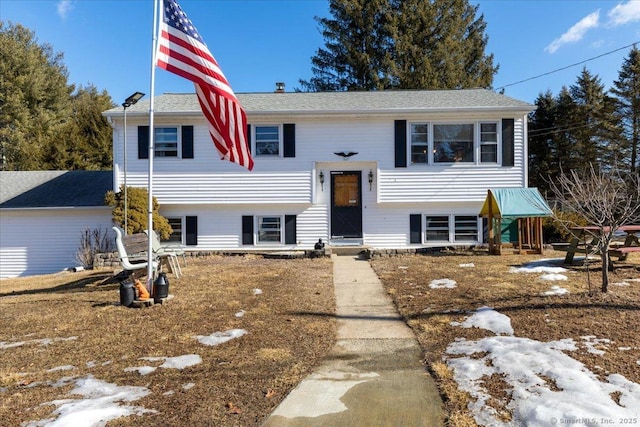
column 348, row 250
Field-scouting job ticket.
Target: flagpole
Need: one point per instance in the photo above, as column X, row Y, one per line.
column 156, row 9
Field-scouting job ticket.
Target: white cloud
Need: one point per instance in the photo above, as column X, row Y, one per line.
column 624, row 13
column 64, row 7
column 575, row 33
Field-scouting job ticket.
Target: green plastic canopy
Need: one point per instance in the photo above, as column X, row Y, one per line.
column 515, row 203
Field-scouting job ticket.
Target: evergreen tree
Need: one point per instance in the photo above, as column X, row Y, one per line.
column 563, row 147
column 440, row 45
column 627, row 92
column 408, row 44
column 594, row 123
column 34, row 95
column 84, row 142
column 357, row 44
column 137, row 211
column 541, row 138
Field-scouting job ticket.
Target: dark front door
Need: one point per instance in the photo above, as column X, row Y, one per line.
column 346, row 204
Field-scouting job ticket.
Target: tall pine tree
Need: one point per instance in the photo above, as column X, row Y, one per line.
column 594, row 127
column 407, row 44
column 541, row 139
column 627, row 92
column 357, row 43
column 35, row 97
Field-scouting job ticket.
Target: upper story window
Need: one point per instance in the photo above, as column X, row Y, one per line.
column 452, row 143
column 447, row 143
column 488, row 143
column 267, row 140
column 419, row 143
column 166, row 141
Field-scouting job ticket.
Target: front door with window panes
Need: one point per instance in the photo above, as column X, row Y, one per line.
column 346, row 204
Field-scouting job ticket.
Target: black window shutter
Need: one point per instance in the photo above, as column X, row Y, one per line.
column 415, row 228
column 187, row 142
column 401, row 143
column 290, row 229
column 143, row 142
column 289, row 140
column 508, row 141
column 247, row 230
column 249, row 137
column 191, row 226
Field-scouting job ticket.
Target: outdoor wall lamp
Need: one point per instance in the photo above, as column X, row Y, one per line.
column 321, row 176
column 370, row 178
column 126, row 104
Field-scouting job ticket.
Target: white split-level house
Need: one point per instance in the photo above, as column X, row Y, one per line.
column 386, row 169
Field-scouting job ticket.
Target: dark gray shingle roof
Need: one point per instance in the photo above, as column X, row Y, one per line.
column 40, row 189
column 406, row 101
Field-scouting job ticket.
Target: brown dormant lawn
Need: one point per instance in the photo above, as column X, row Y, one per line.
column 61, row 331
column 605, row 328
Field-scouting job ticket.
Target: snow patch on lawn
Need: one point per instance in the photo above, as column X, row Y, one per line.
column 101, row 402
column 220, row 337
column 543, row 385
column 556, row 290
column 443, row 284
column 489, row 319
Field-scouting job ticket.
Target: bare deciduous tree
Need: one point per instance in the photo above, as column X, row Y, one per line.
column 93, row 242
column 606, row 200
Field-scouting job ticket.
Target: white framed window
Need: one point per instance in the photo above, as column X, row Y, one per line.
column 419, row 140
column 465, row 228
column 268, row 140
column 437, row 228
column 270, row 229
column 488, row 142
column 453, row 143
column 176, row 233
column 165, row 141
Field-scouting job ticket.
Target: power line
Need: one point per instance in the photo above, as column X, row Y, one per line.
column 568, row 66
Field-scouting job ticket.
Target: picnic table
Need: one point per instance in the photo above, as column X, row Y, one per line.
column 587, row 238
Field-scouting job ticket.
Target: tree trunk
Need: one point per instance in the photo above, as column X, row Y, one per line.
column 604, row 254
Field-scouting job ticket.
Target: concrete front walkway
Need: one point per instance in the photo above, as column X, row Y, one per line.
column 373, row 376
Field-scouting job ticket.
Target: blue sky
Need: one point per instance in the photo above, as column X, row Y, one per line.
column 259, row 42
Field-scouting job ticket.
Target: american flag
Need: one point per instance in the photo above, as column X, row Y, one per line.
column 182, row 51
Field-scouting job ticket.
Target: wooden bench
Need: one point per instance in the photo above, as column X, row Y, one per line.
column 132, row 251
column 572, row 248
column 623, row 251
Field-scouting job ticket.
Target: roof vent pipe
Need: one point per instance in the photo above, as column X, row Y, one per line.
column 279, row 87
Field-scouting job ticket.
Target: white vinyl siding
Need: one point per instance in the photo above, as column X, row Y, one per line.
column 41, row 241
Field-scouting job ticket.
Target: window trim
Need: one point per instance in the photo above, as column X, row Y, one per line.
column 451, row 229
column 454, row 230
column 281, row 230
column 477, row 143
column 182, row 229
column 497, row 143
column 427, row 228
column 178, row 129
column 254, row 140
